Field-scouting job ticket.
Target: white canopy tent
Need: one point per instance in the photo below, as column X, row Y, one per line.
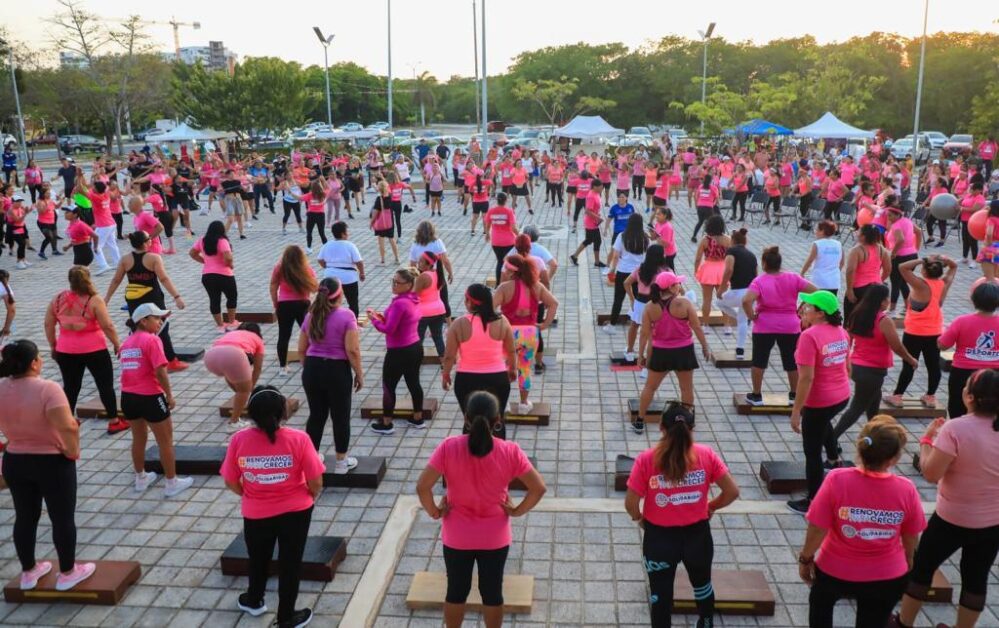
column 829, row 126
column 185, row 133
column 587, row 127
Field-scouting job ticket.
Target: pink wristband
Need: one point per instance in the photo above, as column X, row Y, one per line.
column 926, row 441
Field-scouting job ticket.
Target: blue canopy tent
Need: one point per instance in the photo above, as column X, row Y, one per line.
column 758, row 126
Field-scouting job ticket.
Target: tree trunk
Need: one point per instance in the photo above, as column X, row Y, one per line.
column 117, row 131
column 423, row 117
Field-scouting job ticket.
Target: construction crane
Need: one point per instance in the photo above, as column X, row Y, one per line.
column 176, row 30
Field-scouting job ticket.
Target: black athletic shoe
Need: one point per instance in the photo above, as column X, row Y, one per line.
column 255, row 609
column 600, row 265
column 575, row 261
column 539, row 369
column 799, row 506
column 381, row 428
column 416, row 424
column 754, row 399
column 299, row 618
column 740, row 354
column 790, row 398
column 638, row 425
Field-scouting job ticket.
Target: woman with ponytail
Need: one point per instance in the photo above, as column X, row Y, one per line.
column 39, row 463
column 475, row 512
column 519, row 297
column 961, row 456
column 292, row 284
column 863, row 526
column 668, row 497
column 481, row 344
column 275, row 471
column 331, row 350
column 7, row 296
column 431, row 306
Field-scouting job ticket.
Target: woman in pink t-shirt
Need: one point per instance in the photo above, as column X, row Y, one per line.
column 43, row 445
column 668, row 497
column 862, row 531
column 961, row 456
column 867, row 263
column 973, row 201
column 903, row 240
column 292, row 284
column 237, row 357
column 275, row 471
column 975, row 338
column 823, row 390
column 476, row 509
column 214, row 253
column 499, row 227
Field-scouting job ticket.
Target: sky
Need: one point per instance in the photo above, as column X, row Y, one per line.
column 436, row 35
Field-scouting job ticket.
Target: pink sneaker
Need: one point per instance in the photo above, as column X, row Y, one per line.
column 929, row 401
column 30, row 578
column 894, row 400
column 81, row 571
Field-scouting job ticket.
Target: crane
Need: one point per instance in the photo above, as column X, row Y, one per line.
column 176, row 30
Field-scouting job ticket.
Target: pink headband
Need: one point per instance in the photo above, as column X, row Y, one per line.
column 332, row 296
column 429, row 258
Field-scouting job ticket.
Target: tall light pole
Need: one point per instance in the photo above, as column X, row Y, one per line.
column 325, row 41
column 17, row 104
column 919, row 84
column 705, row 36
column 485, row 75
column 389, row 2
column 475, row 49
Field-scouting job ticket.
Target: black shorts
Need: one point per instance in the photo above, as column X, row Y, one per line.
column 467, row 189
column 151, row 408
column 592, row 237
column 246, row 196
column 508, row 189
column 570, row 189
column 386, row 233
column 649, row 191
column 480, row 208
column 437, row 194
column 354, row 185
column 521, row 191
column 678, row 359
column 764, row 343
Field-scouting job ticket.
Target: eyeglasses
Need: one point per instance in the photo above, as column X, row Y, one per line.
column 400, row 282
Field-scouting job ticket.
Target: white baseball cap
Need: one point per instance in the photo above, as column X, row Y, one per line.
column 147, row 309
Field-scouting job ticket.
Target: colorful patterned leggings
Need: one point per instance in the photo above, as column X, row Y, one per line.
column 525, row 340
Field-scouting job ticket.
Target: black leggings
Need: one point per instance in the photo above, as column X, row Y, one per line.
column 288, row 209
column 663, row 549
column 328, row 385
column 262, row 190
column 636, row 186
column 804, row 204
column 288, row 313
column 459, row 565
column 867, row 381
column 72, row 365
column 119, row 223
column 496, row 383
column 21, row 239
column 166, row 219
column 31, row 479
column 555, row 190
column 956, row 380
column 772, row 201
column 875, row 599
column 216, row 286
column 350, row 294
column 49, row 237
column 619, row 295
column 931, row 221
column 314, row 220
column 402, row 362
column 436, row 326
column 397, row 213
column 763, row 344
column 927, row 346
column 739, row 200
column 703, row 213
column 831, row 208
column 816, row 432
column 289, row 530
column 969, row 245
column 939, row 542
column 898, row 284
column 500, row 253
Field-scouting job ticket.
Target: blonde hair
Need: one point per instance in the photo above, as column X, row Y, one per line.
column 80, row 282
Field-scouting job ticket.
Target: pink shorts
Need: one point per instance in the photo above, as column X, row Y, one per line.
column 229, row 362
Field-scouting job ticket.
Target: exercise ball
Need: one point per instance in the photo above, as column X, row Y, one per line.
column 944, row 207
column 976, row 225
column 865, row 217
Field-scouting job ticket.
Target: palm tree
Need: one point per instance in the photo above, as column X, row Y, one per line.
column 423, row 92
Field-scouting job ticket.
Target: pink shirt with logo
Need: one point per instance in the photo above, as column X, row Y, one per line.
column 26, row 401
column 709, row 197
column 476, row 491
column 968, row 493
column 593, row 204
column 865, row 515
column 145, row 221
column 826, row 348
column 215, row 264
column 664, row 230
column 274, row 474
column 680, row 504
column 79, row 231
column 777, row 304
column 975, row 338
column 501, row 220
column 101, row 204
column 141, row 354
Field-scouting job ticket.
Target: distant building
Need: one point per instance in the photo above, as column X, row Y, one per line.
column 72, row 60
column 214, row 56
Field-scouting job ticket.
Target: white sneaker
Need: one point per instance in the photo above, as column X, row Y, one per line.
column 345, row 465
column 101, row 271
column 728, row 331
column 971, row 263
column 21, row 265
column 238, row 425
column 177, row 486
column 607, row 328
column 629, row 356
column 143, row 481
column 308, row 250
column 643, row 374
column 285, row 371
column 525, row 408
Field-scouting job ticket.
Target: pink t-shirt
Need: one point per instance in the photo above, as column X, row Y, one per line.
column 709, row 197
column 777, row 304
column 501, row 221
column 904, row 226
column 145, row 221
column 101, row 204
column 25, row 402
column 247, row 341
column 865, row 515
column 274, row 474
column 970, row 201
column 686, row 502
column 825, row 347
column 968, row 494
column 593, row 204
column 975, row 338
column 141, row 354
column 476, row 491
column 665, row 231
column 314, row 204
column 215, row 264
column 79, row 232
column 157, row 203
column 285, row 291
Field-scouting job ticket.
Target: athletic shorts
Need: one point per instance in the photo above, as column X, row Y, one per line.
column 678, row 359
column 229, row 362
column 650, row 191
column 521, row 191
column 150, row 408
column 570, row 189
column 592, row 237
column 385, row 233
column 480, row 208
column 436, row 194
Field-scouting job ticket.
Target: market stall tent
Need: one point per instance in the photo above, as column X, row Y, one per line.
column 587, row 127
column 831, row 127
column 759, row 126
column 186, row 133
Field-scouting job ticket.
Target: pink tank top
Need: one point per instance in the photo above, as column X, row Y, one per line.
column 480, row 353
column 869, row 270
column 430, row 303
column 905, row 226
column 522, row 309
column 671, row 332
column 873, row 350
column 71, row 310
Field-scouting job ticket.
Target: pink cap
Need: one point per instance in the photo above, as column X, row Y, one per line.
column 666, row 279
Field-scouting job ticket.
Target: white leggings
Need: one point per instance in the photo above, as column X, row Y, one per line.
column 731, row 304
column 106, row 239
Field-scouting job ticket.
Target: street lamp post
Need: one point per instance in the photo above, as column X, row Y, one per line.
column 325, row 41
column 485, row 75
column 389, row 2
column 475, row 51
column 17, row 104
column 705, row 36
column 919, row 84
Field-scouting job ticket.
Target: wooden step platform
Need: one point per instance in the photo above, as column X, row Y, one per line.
column 430, row 356
column 94, row 409
column 106, row 587
column 293, row 356
column 260, row 316
column 622, row 319
column 490, row 281
column 913, row 408
column 368, row 473
column 782, row 477
column 725, row 359
column 225, row 410
column 191, row 459
column 189, row 354
column 715, row 319
column 737, row 592
column 319, row 561
column 941, row 590
column 427, row 590
column 540, row 414
column 654, row 413
column 622, row 470
column 620, row 364
column 773, row 403
column 946, row 359
column 371, row 408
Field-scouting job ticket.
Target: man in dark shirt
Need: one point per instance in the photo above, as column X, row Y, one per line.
column 10, row 163
column 422, row 150
column 67, row 171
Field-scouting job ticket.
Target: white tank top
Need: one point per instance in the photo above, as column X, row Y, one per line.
column 825, row 272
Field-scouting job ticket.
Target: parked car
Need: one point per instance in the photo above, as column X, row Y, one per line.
column 958, row 144
column 80, row 143
column 640, row 130
column 904, row 147
column 528, row 134
column 352, row 127
column 148, row 134
column 937, row 139
column 496, row 126
column 403, row 133
column 312, row 126
column 8, row 139
column 381, row 126
column 526, row 145
column 303, row 135
column 43, row 139
column 629, row 140
column 271, row 144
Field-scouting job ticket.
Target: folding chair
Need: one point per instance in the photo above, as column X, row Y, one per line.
column 755, row 206
column 907, row 207
column 815, row 210
column 845, row 220
column 788, row 211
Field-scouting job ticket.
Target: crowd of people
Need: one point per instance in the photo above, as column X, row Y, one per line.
column 833, row 323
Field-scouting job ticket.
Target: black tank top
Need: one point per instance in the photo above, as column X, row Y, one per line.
column 143, row 285
column 744, row 270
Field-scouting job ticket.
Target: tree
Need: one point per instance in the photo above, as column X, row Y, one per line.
column 423, row 94
column 720, row 110
column 557, row 98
